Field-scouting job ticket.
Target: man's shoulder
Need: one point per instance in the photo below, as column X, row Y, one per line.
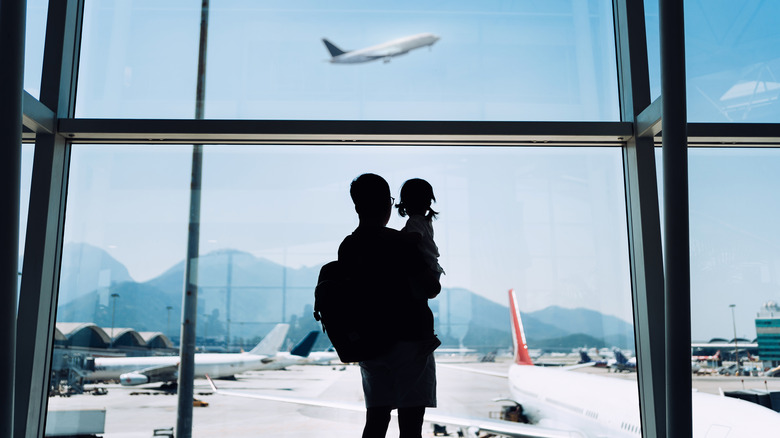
column 401, row 237
column 387, row 238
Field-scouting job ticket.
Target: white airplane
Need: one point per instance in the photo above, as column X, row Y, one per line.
column 383, row 51
column 300, row 354
column 621, row 363
column 322, row 357
column 131, row 371
column 561, row 403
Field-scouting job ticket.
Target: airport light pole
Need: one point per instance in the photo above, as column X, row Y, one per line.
column 168, row 325
column 736, row 347
column 190, row 294
column 114, row 296
column 205, row 331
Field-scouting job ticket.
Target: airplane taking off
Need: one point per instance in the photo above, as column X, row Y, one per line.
column 131, row 371
column 383, row 51
column 558, row 403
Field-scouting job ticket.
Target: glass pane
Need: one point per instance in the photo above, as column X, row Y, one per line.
column 735, row 279
column 24, row 203
column 652, row 29
column 492, row 61
column 35, row 35
column 549, row 223
column 733, row 68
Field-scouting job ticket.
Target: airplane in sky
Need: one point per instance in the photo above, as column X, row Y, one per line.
column 558, row 403
column 384, row 51
column 131, row 371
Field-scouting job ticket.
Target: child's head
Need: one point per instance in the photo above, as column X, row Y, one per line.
column 416, row 198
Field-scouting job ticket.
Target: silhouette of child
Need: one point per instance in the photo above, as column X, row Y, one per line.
column 415, row 201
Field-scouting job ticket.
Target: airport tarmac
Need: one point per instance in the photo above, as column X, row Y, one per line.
column 137, row 411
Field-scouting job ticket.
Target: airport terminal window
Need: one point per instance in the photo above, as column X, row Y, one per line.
column 493, row 61
column 735, row 260
column 35, row 32
column 548, row 222
column 733, row 69
column 735, row 251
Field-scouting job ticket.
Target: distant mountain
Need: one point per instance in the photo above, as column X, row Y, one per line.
column 263, row 293
column 138, row 306
column 467, row 319
column 86, row 268
column 570, row 341
column 260, row 290
column 585, row 321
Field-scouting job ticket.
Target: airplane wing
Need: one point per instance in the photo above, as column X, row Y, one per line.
column 505, row 375
column 473, row 426
column 473, row 370
column 162, row 373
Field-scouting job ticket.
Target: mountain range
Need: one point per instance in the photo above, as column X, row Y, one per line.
column 97, row 288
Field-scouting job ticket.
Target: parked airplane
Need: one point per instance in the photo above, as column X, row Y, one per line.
column 560, row 403
column 383, row 51
column 585, row 358
column 322, row 357
column 622, row 363
column 132, row 371
column 299, row 355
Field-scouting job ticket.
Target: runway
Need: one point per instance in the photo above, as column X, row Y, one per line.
column 137, row 411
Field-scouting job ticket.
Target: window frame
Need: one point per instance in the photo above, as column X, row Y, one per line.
column 49, row 122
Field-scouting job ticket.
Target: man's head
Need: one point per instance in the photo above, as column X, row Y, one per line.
column 371, row 195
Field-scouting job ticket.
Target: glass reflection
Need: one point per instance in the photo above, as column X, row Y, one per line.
column 734, row 279
column 494, row 61
column 35, row 35
column 24, row 202
column 549, row 223
column 732, row 65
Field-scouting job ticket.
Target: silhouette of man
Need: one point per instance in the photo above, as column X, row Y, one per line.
column 404, row 376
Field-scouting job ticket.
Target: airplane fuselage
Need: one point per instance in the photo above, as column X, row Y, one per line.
column 214, row 364
column 599, row 406
column 386, row 50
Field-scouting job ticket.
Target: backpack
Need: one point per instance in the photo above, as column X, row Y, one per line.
column 341, row 305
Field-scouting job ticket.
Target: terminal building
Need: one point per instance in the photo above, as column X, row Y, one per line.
column 768, row 334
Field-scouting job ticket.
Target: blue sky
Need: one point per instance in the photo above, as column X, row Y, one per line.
column 267, row 61
column 549, row 221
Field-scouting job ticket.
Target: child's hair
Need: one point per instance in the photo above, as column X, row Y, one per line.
column 416, row 197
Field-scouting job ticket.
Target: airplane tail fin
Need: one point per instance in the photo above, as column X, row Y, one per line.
column 304, row 347
column 620, row 357
column 518, row 334
column 584, row 357
column 272, row 342
column 334, row 51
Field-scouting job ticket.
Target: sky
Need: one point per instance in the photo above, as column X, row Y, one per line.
column 548, row 222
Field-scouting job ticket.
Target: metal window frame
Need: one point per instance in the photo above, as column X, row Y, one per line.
column 12, row 31
column 642, row 213
column 46, row 217
column 50, row 123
